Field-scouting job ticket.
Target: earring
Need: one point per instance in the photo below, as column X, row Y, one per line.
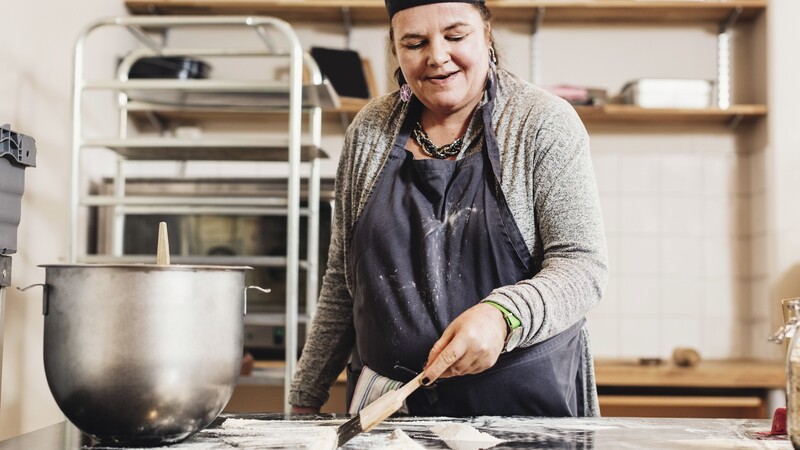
column 492, row 56
column 405, row 92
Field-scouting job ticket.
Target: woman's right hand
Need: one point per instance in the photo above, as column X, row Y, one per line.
column 304, row 410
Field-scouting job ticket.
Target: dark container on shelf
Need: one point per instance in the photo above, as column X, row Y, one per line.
column 171, row 67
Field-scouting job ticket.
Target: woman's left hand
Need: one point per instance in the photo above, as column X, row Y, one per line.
column 471, row 344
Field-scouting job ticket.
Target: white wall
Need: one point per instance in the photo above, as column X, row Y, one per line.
column 36, row 40
column 701, row 224
column 781, row 163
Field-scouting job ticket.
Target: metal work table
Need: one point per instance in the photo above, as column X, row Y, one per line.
column 517, row 432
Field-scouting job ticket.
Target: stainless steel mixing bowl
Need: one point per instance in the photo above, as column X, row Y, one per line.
column 142, row 355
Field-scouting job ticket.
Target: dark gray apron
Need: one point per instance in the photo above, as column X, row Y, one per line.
column 436, row 237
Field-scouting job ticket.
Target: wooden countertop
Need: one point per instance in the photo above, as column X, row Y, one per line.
column 707, row 374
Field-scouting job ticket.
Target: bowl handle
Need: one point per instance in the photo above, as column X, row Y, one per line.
column 45, row 300
column 258, row 288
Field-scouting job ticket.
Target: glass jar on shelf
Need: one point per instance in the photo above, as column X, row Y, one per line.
column 788, row 332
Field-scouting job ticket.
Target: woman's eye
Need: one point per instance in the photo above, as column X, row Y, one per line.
column 414, row 45
column 456, row 38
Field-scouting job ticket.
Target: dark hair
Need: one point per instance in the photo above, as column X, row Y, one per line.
column 486, row 15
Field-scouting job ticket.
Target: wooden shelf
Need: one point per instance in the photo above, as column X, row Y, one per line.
column 731, row 407
column 555, row 11
column 629, row 114
column 707, row 374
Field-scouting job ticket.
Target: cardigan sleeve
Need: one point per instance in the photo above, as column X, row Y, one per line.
column 563, row 206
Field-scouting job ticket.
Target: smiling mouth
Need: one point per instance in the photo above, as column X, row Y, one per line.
column 442, row 77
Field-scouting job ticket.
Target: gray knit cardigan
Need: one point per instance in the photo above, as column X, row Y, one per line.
column 548, row 181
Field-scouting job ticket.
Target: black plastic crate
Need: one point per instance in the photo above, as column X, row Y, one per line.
column 17, row 152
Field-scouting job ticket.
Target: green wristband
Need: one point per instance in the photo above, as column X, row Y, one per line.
column 511, row 319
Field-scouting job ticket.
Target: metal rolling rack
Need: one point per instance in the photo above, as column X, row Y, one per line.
column 209, row 96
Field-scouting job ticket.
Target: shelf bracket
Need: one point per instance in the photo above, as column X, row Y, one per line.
column 347, row 22
column 157, row 122
column 724, row 58
column 728, row 23
column 536, row 73
column 735, row 121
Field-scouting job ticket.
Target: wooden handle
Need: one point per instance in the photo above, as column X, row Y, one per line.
column 162, row 254
column 387, row 404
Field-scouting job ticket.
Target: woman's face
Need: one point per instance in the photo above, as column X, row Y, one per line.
column 443, row 51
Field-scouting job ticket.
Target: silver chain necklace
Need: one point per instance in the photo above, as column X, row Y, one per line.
column 432, row 150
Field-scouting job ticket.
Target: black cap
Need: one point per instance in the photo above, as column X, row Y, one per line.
column 393, row 6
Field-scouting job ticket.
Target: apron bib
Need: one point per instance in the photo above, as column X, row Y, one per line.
column 435, row 238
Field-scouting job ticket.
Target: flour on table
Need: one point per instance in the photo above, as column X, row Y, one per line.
column 462, row 436
column 396, row 440
column 248, row 433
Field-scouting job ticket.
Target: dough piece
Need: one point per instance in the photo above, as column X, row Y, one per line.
column 398, row 439
column 462, row 436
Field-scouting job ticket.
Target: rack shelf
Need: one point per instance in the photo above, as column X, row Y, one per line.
column 290, row 140
column 225, row 94
column 555, row 11
column 205, row 149
column 146, row 112
column 629, row 114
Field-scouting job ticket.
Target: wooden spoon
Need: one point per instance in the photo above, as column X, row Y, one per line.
column 162, row 255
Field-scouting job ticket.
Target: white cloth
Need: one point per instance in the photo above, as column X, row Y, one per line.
column 369, row 387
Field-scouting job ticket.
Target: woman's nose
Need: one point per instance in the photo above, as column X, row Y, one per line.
column 439, row 52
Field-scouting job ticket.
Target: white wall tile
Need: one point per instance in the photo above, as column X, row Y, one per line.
column 717, row 300
column 638, row 174
column 761, row 305
column 606, row 170
column 639, row 337
column 717, row 257
column 681, row 256
column 787, row 254
column 638, row 295
column 638, row 214
column 760, row 347
column 613, row 245
column 609, row 205
column 604, row 335
column 638, row 255
column 679, row 331
column 681, row 173
column 722, row 339
column 681, row 214
column 681, row 296
column 609, row 304
column 718, row 175
column 716, row 218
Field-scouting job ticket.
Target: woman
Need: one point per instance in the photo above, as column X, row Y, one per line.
column 467, row 241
